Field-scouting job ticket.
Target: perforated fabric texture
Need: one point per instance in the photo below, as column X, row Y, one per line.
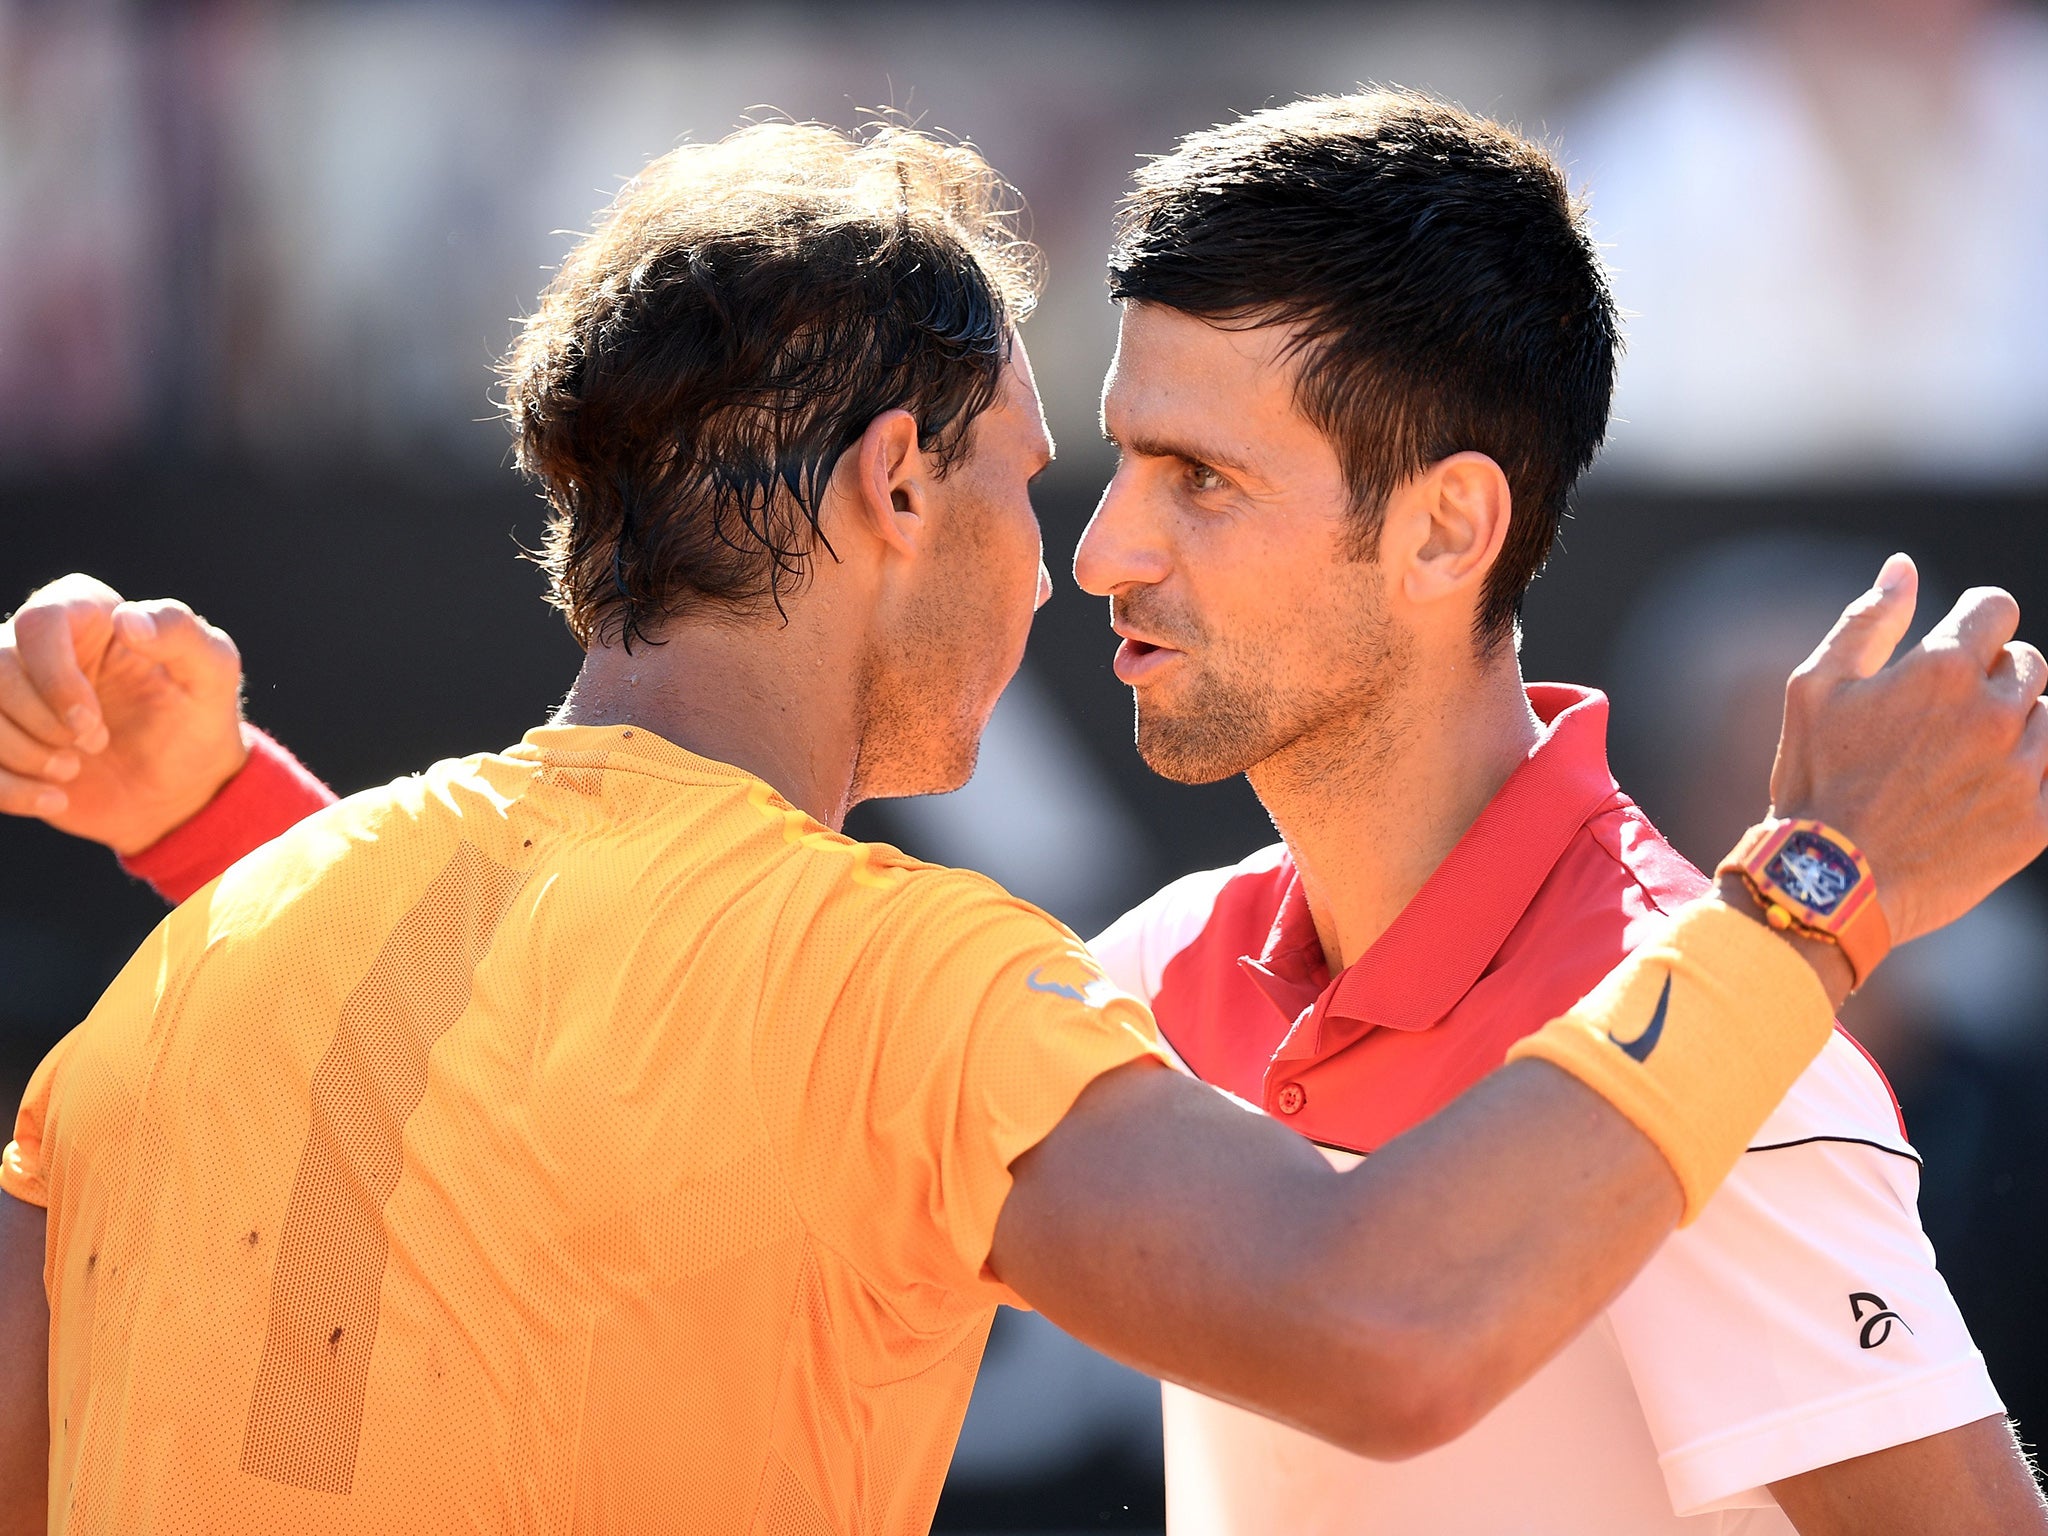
column 574, row 1139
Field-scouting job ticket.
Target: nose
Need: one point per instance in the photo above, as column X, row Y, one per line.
column 1120, row 547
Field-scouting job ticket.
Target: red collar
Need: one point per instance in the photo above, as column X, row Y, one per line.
column 1443, row 940
column 1290, row 970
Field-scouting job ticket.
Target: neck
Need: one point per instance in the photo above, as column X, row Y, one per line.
column 774, row 699
column 1372, row 805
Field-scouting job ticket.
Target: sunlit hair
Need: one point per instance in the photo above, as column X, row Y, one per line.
column 1445, row 288
column 729, row 328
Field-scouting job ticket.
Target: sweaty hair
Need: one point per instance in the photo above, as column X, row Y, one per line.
column 730, row 327
column 1441, row 279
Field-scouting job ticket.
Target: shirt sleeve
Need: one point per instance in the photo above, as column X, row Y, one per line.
column 968, row 1027
column 110, row 1039
column 1801, row 1320
column 24, row 1170
column 273, row 792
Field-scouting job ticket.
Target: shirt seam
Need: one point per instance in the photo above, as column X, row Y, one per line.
column 624, row 760
column 1656, row 901
column 1854, row 1141
column 868, row 1283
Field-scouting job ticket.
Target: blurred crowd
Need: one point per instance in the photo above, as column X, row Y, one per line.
column 299, row 233
column 268, row 226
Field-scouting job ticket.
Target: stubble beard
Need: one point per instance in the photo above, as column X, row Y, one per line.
column 1235, row 717
column 1221, row 730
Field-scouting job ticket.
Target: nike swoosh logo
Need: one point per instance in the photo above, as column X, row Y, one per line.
column 1060, row 988
column 1639, row 1048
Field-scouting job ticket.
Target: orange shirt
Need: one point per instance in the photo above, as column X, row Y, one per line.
column 575, row 1139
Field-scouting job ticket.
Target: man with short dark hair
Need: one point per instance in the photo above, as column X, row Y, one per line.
column 588, row 1135
column 1366, row 349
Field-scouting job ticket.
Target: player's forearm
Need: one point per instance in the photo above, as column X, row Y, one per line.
column 1969, row 1481
column 1380, row 1309
column 1386, row 1309
column 1825, row 960
column 1480, row 1243
column 1523, row 1208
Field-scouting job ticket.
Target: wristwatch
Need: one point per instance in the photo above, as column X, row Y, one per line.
column 1811, row 879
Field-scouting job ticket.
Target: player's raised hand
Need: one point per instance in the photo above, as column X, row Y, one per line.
column 118, row 720
column 1934, row 762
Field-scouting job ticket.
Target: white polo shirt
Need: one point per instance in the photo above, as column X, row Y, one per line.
column 1799, row 1322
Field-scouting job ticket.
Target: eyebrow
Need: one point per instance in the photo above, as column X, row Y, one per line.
column 1167, row 448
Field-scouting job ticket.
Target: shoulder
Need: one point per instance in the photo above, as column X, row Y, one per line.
column 892, row 937
column 1235, row 904
column 381, row 826
column 1604, row 896
column 1829, row 1183
column 1760, row 1339
column 934, row 904
column 1642, row 858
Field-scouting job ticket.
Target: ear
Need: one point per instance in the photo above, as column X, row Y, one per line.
column 1445, row 528
column 886, row 482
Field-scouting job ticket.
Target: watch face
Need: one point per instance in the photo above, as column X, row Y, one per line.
column 1813, row 871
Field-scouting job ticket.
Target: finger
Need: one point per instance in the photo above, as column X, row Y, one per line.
column 44, row 637
column 74, row 588
column 22, row 705
column 1982, row 621
column 30, row 797
column 2020, row 672
column 22, row 754
column 199, row 657
column 1871, row 627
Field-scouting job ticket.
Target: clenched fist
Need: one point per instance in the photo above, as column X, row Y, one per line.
column 1932, row 762
column 119, row 720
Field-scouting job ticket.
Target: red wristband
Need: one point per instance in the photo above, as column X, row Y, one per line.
column 273, row 791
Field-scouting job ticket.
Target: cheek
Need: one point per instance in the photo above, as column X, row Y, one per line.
column 986, row 586
column 1014, row 557
column 1285, row 615
column 1245, row 588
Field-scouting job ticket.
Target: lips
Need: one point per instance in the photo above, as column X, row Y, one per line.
column 1148, row 631
column 1139, row 660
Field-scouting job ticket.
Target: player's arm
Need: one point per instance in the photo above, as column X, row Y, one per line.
column 120, row 722
column 24, row 1370
column 1387, row 1308
column 1971, row 1481
column 1384, row 1309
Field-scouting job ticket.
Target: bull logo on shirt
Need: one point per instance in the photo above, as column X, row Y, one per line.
column 1876, row 1316
column 1075, row 978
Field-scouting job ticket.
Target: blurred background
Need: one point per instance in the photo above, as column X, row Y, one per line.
column 256, row 260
